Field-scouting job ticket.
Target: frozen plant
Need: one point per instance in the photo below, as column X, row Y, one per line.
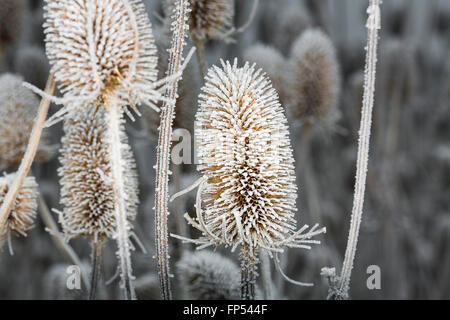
column 209, row 276
column 247, row 194
column 23, row 213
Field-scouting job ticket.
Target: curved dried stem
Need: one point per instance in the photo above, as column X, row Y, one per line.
column 164, row 144
column 373, row 25
column 29, row 155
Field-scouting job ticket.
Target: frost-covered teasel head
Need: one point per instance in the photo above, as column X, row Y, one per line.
column 23, row 213
column 101, row 50
column 248, row 194
column 209, row 19
column 18, row 107
column 85, row 177
column 313, row 82
column 207, row 275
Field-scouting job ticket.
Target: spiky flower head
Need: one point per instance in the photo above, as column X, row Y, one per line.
column 313, row 83
column 87, row 188
column 23, row 213
column 209, row 19
column 248, row 190
column 98, row 49
column 209, row 276
column 18, row 107
column 271, row 61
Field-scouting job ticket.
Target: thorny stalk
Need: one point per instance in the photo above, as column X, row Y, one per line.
column 114, row 117
column 249, row 273
column 373, row 25
column 29, row 155
column 97, row 246
column 164, row 144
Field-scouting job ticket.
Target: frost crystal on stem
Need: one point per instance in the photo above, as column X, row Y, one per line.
column 373, row 25
column 179, row 28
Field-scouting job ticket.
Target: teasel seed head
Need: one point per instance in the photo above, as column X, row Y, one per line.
column 207, row 275
column 85, row 177
column 313, row 84
column 23, row 213
column 209, row 19
column 106, row 49
column 18, row 108
column 272, row 62
column 245, row 157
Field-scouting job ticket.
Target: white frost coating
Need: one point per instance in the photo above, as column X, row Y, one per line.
column 373, row 25
column 97, row 48
column 179, row 29
column 114, row 118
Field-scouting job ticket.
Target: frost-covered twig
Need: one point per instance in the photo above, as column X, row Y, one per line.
column 373, row 25
column 30, row 153
column 97, row 255
column 179, row 28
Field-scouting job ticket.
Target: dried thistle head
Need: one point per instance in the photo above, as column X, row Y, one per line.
column 23, row 213
column 11, row 21
column 106, row 50
column 85, row 177
column 248, row 187
column 291, row 21
column 313, row 83
column 207, row 275
column 18, row 107
column 209, row 19
column 271, row 61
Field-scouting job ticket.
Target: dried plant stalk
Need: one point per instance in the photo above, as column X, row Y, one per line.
column 30, row 153
column 179, row 28
column 249, row 267
column 97, row 255
column 373, row 25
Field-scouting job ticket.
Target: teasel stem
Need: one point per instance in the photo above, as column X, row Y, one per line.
column 373, row 25
column 29, row 155
column 266, row 274
column 97, row 246
column 163, row 151
column 58, row 238
column 201, row 56
column 114, row 116
column 249, row 266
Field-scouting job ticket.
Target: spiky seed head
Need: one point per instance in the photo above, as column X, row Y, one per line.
column 23, row 213
column 244, row 151
column 209, row 19
column 313, row 83
column 209, row 276
column 292, row 20
column 85, row 177
column 106, row 49
column 18, row 107
column 271, row 61
column 11, row 21
column 398, row 71
column 32, row 64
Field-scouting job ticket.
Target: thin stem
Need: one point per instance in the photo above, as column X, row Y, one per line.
column 249, row 266
column 58, row 238
column 114, row 117
column 29, row 155
column 373, row 25
column 201, row 56
column 97, row 246
column 164, row 145
column 266, row 276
